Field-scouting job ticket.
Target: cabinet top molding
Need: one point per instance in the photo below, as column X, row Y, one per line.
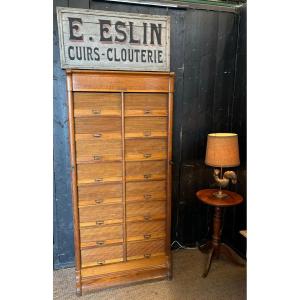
column 105, row 40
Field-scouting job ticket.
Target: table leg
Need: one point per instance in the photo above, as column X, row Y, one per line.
column 205, row 247
column 231, row 254
column 208, row 263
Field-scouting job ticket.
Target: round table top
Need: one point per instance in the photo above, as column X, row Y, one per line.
column 207, row 197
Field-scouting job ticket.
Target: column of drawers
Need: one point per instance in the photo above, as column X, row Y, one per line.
column 98, row 138
column 146, row 120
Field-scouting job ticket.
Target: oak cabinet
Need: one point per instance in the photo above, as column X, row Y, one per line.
column 120, row 129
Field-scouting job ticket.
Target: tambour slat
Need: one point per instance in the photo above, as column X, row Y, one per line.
column 145, row 149
column 97, row 104
column 146, row 104
column 146, row 191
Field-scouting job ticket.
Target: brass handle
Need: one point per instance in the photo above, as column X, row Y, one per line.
column 147, row 255
column 147, row 176
column 97, row 157
column 147, row 111
column 147, row 217
column 147, row 196
column 100, row 243
column 147, row 133
column 147, row 236
column 97, row 135
column 98, row 201
column 96, row 111
column 147, row 155
column 100, row 262
column 99, row 222
column 99, row 179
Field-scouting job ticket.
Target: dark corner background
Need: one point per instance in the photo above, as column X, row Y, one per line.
column 208, row 55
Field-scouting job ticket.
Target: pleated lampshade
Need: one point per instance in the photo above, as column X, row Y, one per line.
column 222, row 150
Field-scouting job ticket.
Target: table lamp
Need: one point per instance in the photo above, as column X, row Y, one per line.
column 222, row 151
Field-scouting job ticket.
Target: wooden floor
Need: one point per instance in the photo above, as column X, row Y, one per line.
column 224, row 281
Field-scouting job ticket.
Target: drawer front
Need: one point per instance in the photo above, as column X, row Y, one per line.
column 98, row 150
column 99, row 172
column 101, row 255
column 146, row 104
column 100, row 215
column 97, row 104
column 136, row 127
column 145, row 211
column 99, row 194
column 101, row 235
column 146, row 230
column 97, row 128
column 151, row 190
column 145, row 249
column 146, row 170
column 145, row 149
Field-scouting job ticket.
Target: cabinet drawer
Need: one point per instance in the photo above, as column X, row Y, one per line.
column 145, row 149
column 99, row 194
column 100, row 215
column 98, row 150
column 151, row 190
column 101, row 235
column 146, row 230
column 146, row 170
column 146, row 104
column 145, row 249
column 145, row 211
column 145, row 127
column 99, row 172
column 101, row 255
column 97, row 104
column 97, row 128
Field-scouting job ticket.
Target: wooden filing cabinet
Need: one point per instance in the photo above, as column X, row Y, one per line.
column 120, row 128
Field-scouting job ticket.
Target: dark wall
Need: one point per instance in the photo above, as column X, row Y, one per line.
column 208, row 55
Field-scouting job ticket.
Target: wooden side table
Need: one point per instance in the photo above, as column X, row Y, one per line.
column 215, row 247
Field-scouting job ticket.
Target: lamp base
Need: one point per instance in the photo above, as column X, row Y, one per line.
column 220, row 195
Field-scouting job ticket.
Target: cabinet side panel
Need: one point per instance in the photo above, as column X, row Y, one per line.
column 74, row 183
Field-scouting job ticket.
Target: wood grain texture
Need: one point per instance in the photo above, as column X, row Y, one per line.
column 145, row 170
column 101, row 255
column 146, row 210
column 136, row 127
column 101, row 235
column 146, row 104
column 145, row 249
column 146, row 230
column 97, row 104
column 121, row 154
column 145, row 191
column 145, row 149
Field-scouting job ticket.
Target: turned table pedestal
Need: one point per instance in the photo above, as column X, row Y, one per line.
column 215, row 247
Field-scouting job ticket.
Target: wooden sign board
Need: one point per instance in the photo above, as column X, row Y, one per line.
column 96, row 39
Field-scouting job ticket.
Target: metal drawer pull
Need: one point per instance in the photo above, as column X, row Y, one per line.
column 147, row 255
column 147, row 155
column 97, row 157
column 147, row 236
column 100, row 262
column 100, row 243
column 96, row 111
column 147, row 196
column 147, row 176
column 147, row 111
column 147, row 133
column 97, row 135
column 99, row 222
column 99, row 179
column 147, row 217
column 98, row 201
